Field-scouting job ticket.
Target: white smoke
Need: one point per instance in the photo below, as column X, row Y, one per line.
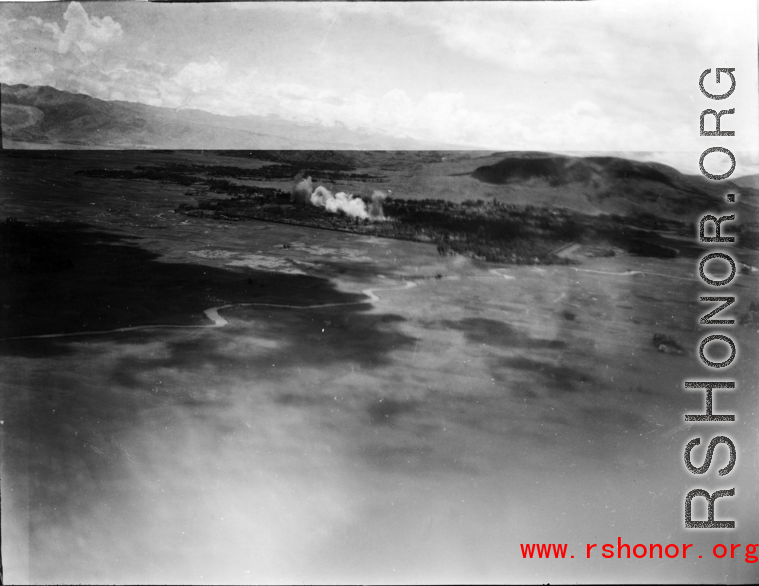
column 302, row 192
column 352, row 206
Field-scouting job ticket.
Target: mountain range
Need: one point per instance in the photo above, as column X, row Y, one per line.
column 45, row 117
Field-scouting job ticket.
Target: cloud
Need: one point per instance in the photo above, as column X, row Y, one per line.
column 74, row 58
column 561, row 76
column 199, row 77
column 87, row 33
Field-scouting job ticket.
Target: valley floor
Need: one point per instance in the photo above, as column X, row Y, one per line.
column 364, row 410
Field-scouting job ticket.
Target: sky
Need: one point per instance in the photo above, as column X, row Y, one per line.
column 610, row 75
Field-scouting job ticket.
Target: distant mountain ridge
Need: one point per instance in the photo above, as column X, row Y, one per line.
column 616, row 185
column 45, row 117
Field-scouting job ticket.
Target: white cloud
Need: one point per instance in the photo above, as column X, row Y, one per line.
column 87, row 33
column 199, row 77
column 559, row 76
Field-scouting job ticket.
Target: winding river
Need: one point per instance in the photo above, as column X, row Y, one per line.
column 212, row 313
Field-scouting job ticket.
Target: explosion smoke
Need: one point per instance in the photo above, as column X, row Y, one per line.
column 354, row 207
column 303, row 192
column 300, row 192
column 375, row 208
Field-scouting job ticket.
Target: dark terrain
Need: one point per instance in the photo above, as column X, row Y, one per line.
column 369, row 409
column 660, row 204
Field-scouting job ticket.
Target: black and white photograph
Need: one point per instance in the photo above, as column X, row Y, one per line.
column 379, row 292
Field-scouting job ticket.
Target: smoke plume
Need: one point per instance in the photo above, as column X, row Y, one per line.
column 352, row 206
column 375, row 208
column 300, row 192
column 303, row 193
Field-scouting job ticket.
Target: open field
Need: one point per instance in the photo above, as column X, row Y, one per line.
column 363, row 409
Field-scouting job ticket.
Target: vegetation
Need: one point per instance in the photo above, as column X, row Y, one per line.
column 170, row 175
column 747, row 235
column 187, row 174
column 487, row 230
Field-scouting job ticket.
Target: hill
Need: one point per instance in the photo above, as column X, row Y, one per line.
column 44, row 117
column 748, row 181
column 612, row 185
